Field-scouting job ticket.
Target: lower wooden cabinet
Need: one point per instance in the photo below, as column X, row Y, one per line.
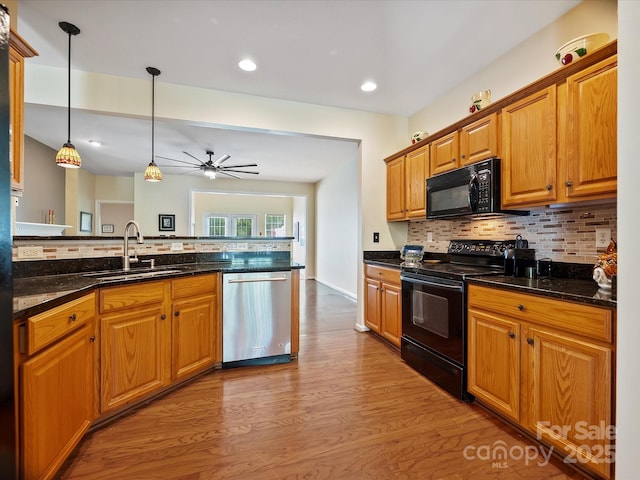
column 56, row 386
column 546, row 365
column 383, row 303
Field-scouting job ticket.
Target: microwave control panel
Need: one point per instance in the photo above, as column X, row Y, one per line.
column 484, row 191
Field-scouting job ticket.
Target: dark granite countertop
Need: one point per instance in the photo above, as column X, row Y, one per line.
column 571, row 289
column 32, row 295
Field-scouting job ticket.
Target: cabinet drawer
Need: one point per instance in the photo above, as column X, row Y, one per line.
column 196, row 285
column 129, row 296
column 384, row 274
column 585, row 320
column 49, row 326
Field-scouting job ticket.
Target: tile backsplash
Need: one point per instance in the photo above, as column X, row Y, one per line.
column 565, row 234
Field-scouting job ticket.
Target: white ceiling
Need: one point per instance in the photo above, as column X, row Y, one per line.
column 317, row 52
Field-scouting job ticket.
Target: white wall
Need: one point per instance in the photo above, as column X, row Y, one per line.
column 628, row 322
column 337, row 255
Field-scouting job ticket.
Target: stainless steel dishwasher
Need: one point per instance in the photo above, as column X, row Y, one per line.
column 256, row 318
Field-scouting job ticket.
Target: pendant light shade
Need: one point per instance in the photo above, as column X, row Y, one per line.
column 68, row 156
column 152, row 172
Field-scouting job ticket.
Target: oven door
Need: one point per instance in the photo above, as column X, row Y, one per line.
column 433, row 314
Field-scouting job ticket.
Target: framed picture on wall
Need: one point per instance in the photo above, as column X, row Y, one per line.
column 166, row 222
column 85, row 221
column 107, row 228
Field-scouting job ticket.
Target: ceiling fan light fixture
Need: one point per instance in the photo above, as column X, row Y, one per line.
column 153, row 173
column 68, row 156
column 210, row 172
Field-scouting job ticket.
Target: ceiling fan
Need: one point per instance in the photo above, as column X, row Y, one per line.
column 211, row 168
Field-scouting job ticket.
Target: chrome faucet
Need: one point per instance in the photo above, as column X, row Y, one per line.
column 126, row 260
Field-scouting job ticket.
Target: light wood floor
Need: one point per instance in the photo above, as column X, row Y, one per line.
column 348, row 408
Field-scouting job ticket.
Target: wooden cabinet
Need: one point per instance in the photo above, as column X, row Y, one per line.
column 56, row 385
column 194, row 326
column 406, row 185
column 383, row 302
column 18, row 51
column 473, row 142
column 135, row 333
column 529, row 150
column 547, row 365
column 587, row 134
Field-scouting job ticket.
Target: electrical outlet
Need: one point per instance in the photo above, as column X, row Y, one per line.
column 429, row 236
column 176, row 247
column 30, row 252
column 376, row 237
column 603, row 237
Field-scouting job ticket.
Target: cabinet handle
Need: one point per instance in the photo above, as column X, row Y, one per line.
column 549, row 187
column 462, row 156
column 92, row 338
column 512, row 335
column 72, row 318
column 521, row 307
column 453, row 160
column 176, row 313
column 530, row 341
column 569, row 183
column 163, row 317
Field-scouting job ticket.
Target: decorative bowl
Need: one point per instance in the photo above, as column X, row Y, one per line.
column 581, row 46
column 39, row 229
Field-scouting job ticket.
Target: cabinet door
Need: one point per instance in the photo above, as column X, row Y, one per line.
column 193, row 337
column 396, row 209
column 391, row 309
column 570, row 390
column 529, row 150
column 494, row 361
column 444, row 154
column 136, row 354
column 16, row 108
column 591, row 153
column 372, row 304
column 479, row 140
column 416, row 172
column 57, row 401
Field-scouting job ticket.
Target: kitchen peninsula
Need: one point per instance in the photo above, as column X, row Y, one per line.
column 92, row 340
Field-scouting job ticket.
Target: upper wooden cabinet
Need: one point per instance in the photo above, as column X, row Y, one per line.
column 529, row 150
column 444, row 154
column 587, row 156
column 18, row 51
column 406, row 185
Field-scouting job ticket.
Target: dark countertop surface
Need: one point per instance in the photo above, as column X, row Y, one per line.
column 32, row 295
column 570, row 289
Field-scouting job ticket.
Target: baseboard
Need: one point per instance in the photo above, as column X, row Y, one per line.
column 347, row 294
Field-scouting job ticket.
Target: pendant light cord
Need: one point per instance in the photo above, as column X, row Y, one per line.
column 69, row 93
column 153, row 114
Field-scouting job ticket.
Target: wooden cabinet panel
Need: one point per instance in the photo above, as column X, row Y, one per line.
column 49, row 326
column 396, row 196
column 56, row 403
column 127, row 296
column 444, row 154
column 529, row 150
column 590, row 166
column 391, row 318
column 416, row 172
column 479, row 140
column 383, row 302
column 372, row 305
column 193, row 339
column 570, row 395
column 193, row 285
column 136, row 354
column 494, row 361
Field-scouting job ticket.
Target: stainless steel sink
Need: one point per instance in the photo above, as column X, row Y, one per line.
column 133, row 274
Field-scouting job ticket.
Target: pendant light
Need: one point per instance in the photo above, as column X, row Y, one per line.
column 152, row 172
column 68, row 156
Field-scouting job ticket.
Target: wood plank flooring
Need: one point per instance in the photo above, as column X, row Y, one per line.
column 348, row 408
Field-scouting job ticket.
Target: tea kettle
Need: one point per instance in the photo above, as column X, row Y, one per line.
column 412, row 254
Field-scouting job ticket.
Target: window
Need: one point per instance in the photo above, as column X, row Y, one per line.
column 222, row 225
column 274, row 225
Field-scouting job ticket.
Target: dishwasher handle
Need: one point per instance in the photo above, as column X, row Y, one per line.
column 252, row 280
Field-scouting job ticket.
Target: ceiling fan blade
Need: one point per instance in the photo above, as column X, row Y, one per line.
column 195, row 158
column 174, row 160
column 229, row 174
column 223, row 158
column 238, row 171
column 240, row 166
column 191, row 165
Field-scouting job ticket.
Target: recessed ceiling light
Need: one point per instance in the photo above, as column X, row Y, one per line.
column 368, row 87
column 247, row 65
column 95, row 143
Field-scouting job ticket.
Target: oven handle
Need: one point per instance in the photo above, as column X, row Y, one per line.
column 434, row 283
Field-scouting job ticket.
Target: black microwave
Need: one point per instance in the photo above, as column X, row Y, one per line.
column 470, row 190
